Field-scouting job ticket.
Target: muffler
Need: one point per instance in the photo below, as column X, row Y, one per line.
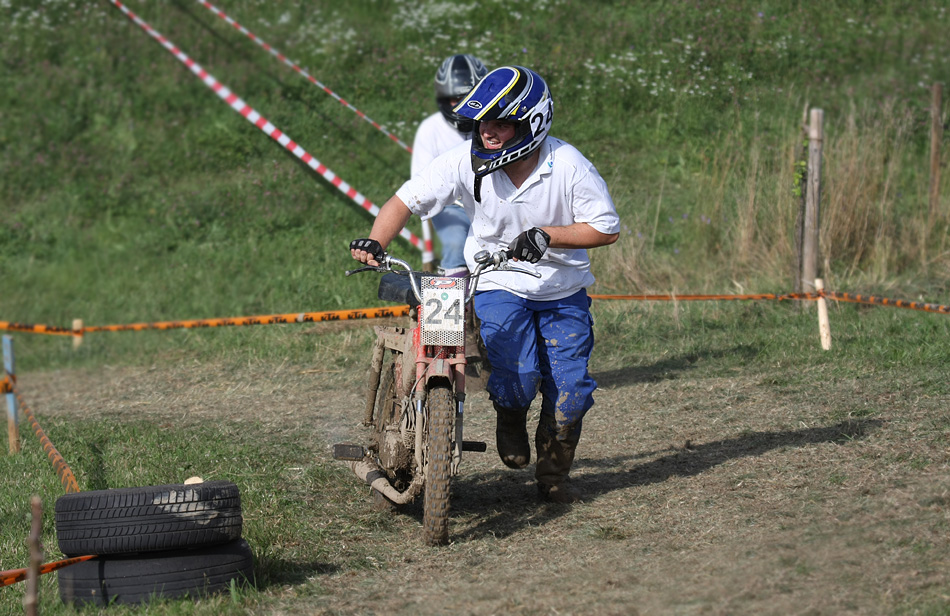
column 375, row 478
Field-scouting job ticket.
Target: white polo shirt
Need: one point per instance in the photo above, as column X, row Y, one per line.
column 433, row 137
column 565, row 188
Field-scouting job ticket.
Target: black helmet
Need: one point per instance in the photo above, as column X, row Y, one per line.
column 455, row 78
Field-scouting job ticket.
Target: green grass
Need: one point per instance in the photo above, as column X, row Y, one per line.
column 297, row 510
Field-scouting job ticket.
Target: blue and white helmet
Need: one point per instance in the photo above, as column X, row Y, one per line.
column 512, row 94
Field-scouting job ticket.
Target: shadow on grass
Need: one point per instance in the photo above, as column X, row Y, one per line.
column 700, row 457
column 669, row 368
column 504, row 502
column 97, row 473
column 270, row 572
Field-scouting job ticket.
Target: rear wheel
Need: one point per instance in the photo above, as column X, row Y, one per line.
column 435, row 517
column 387, row 406
column 383, row 504
column 393, row 455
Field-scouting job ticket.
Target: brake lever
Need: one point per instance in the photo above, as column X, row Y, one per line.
column 367, row 268
column 521, row 271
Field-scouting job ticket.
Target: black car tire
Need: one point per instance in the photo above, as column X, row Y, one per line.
column 174, row 574
column 146, row 519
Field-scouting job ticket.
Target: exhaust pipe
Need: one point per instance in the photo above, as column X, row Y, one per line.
column 376, row 479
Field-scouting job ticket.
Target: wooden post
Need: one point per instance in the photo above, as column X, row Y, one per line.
column 824, row 327
column 31, row 599
column 936, row 136
column 812, row 201
column 77, row 333
column 13, row 430
column 800, row 151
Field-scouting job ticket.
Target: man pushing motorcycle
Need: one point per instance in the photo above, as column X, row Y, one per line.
column 548, row 206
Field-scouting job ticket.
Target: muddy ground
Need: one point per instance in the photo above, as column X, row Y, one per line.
column 705, row 495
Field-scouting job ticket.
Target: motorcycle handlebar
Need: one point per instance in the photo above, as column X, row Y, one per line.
column 498, row 260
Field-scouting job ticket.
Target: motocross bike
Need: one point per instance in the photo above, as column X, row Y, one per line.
column 416, row 391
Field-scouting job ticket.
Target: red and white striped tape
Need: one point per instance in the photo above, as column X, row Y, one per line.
column 252, row 116
column 426, row 227
column 269, row 49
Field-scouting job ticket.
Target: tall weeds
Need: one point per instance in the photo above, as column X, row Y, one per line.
column 861, row 224
column 873, row 208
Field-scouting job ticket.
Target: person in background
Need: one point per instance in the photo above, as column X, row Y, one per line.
column 440, row 132
column 548, row 205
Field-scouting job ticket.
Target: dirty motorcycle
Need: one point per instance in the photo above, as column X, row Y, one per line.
column 416, row 392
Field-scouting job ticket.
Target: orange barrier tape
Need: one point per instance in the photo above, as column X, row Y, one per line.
column 302, row 317
column 841, row 297
column 13, row 576
column 34, row 329
column 66, row 476
column 693, row 298
column 883, row 301
column 296, row 317
column 399, row 311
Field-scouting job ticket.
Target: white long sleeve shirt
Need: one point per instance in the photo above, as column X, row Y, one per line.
column 433, row 137
column 565, row 188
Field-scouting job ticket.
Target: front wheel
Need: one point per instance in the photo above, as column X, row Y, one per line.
column 435, row 517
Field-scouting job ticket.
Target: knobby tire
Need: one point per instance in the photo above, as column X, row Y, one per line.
column 383, row 414
column 435, row 517
column 387, row 407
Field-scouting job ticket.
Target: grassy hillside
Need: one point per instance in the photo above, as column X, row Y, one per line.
column 130, row 192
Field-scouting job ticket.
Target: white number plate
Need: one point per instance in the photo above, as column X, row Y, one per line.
column 443, row 311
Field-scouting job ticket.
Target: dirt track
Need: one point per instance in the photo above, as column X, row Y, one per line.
column 705, row 496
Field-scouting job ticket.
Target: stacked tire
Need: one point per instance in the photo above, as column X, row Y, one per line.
column 154, row 542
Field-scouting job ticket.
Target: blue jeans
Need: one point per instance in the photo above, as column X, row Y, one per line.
column 451, row 225
column 539, row 346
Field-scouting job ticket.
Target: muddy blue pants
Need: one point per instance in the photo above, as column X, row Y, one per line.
column 539, row 346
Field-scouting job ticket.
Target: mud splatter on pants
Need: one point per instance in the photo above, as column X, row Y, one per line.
column 539, row 346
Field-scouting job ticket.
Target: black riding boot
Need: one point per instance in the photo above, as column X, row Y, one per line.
column 555, row 450
column 511, row 436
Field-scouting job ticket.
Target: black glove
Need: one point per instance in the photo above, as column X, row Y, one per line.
column 530, row 245
column 371, row 246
